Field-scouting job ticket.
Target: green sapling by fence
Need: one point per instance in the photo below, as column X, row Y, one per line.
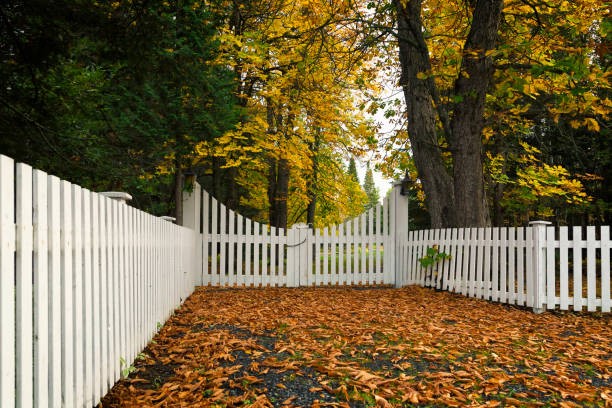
column 432, row 256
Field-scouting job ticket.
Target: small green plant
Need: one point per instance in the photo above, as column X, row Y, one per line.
column 157, row 382
column 433, row 256
column 126, row 369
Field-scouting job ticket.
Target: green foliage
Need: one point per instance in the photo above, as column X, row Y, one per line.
column 125, row 369
column 112, row 95
column 352, row 169
column 433, row 256
column 370, row 188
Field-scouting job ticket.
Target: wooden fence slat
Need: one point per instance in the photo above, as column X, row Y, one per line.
column 257, row 268
column 524, row 266
column 486, row 271
column 104, row 292
column 551, row 284
column 214, row 256
column 247, row 257
column 240, row 278
column 67, row 309
column 378, row 233
column 363, row 239
column 41, row 290
column 605, row 268
column 77, row 295
column 495, row 249
column 503, row 265
column 563, row 264
column 591, row 271
column 55, row 295
column 577, row 270
column 23, row 274
column 281, row 240
column 231, row 266
column 273, row 277
column 7, row 284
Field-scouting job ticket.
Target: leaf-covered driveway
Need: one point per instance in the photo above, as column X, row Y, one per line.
column 368, row 347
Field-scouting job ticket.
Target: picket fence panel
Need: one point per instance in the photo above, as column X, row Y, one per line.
column 241, row 252
column 85, row 282
column 526, row 266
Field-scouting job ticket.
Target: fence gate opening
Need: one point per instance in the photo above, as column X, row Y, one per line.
column 238, row 251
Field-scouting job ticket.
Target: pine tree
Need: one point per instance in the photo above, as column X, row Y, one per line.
column 352, row 170
column 370, row 189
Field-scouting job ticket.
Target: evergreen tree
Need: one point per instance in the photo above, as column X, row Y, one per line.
column 370, row 189
column 352, row 170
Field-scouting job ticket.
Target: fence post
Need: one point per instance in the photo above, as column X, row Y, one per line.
column 191, row 219
column 538, row 229
column 399, row 230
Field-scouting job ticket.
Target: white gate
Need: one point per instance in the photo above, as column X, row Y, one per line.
column 238, row 251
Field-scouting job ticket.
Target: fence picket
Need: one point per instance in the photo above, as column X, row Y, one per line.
column 77, row 295
column 486, row 272
column 257, row 274
column 591, row 272
column 605, row 268
column 523, row 265
column 495, row 248
column 247, row 256
column 240, row 278
column 7, row 285
column 503, row 265
column 563, row 263
column 41, row 290
column 551, row 285
column 67, row 333
column 577, row 270
column 23, row 280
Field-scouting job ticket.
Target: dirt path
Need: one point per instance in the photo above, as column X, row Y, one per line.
column 368, row 347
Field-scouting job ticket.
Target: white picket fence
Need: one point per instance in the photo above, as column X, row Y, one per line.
column 84, row 283
column 536, row 266
column 240, row 252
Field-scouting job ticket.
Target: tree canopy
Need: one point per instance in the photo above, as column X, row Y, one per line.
column 504, row 114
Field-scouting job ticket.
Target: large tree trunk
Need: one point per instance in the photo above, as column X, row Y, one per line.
column 414, row 59
column 278, row 174
column 457, row 200
column 313, row 183
column 468, row 115
column 278, row 188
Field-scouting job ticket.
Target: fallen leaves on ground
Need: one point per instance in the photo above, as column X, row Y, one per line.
column 378, row 347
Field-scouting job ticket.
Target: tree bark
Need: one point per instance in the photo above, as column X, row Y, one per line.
column 468, row 115
column 313, row 182
column 454, row 190
column 278, row 187
column 414, row 59
column 278, row 174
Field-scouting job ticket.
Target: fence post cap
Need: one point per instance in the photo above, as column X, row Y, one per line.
column 540, row 222
column 120, row 196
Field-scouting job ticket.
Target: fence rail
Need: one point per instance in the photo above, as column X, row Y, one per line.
column 537, row 266
column 84, row 282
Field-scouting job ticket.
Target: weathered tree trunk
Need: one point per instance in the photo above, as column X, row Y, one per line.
column 414, row 59
column 468, row 115
column 313, row 182
column 278, row 187
column 458, row 199
column 278, row 175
